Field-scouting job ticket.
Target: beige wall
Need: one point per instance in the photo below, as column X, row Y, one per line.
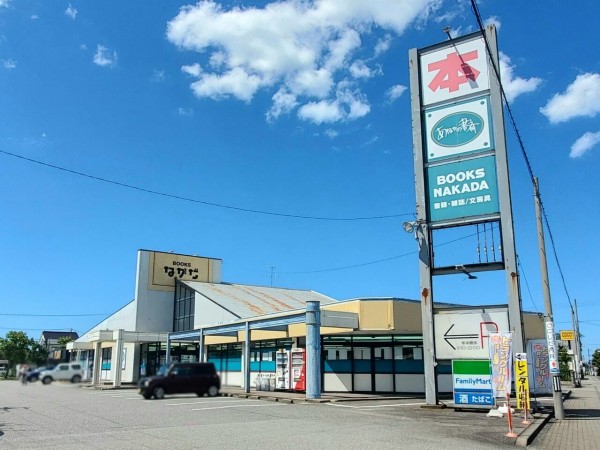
column 376, row 316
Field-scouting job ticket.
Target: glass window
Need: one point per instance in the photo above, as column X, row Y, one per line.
column 362, row 353
column 337, row 353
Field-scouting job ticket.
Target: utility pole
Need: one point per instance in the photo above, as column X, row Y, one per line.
column 575, row 360
column 577, row 337
column 559, row 411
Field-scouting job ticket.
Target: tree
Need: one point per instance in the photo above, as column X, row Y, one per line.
column 38, row 354
column 596, row 360
column 18, row 348
column 64, row 340
column 563, row 363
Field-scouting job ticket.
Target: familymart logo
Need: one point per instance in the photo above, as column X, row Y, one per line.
column 457, row 129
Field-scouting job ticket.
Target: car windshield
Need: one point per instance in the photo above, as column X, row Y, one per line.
column 163, row 371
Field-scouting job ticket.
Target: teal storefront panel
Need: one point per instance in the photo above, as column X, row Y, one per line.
column 384, row 366
column 338, row 366
column 262, row 366
column 362, row 366
column 409, row 366
column 463, row 189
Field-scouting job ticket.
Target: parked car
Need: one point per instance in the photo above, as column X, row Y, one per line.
column 72, row 372
column 181, row 378
column 34, row 375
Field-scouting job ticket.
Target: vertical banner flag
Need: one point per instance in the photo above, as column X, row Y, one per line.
column 500, row 345
column 552, row 352
column 539, row 375
column 521, row 381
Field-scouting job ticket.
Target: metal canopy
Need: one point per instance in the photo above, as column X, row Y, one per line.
column 330, row 319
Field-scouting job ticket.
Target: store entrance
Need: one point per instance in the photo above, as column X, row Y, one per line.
column 153, row 355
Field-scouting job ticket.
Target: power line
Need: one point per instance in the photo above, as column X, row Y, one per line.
column 522, row 147
column 526, row 283
column 374, row 262
column 51, row 315
column 202, row 202
column 38, row 329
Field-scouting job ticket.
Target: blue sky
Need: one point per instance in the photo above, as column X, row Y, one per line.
column 293, row 108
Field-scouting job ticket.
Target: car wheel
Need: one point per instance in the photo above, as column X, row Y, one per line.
column 147, row 396
column 200, row 394
column 76, row 379
column 159, row 392
column 47, row 380
column 212, row 391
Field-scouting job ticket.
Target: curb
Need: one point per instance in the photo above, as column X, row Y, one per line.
column 527, row 436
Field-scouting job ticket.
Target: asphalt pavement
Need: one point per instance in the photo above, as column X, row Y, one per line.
column 32, row 415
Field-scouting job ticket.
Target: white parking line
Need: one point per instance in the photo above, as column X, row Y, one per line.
column 226, row 399
column 114, row 394
column 237, row 406
column 394, row 405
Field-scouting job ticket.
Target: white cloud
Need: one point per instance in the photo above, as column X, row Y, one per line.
column 324, row 111
column 314, row 83
column 581, row 99
column 158, row 75
column 283, row 103
column 104, row 58
column 34, row 17
column 9, row 64
column 300, row 48
column 359, row 69
column 237, row 82
column 395, row 92
column 513, row 85
column 4, row 3
column 193, row 70
column 71, row 12
column 383, row 45
column 584, row 144
column 349, row 104
column 371, row 141
column 331, row 134
column 185, row 112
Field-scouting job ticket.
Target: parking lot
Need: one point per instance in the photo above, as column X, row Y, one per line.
column 69, row 416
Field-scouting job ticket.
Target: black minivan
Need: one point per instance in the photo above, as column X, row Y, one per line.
column 181, row 378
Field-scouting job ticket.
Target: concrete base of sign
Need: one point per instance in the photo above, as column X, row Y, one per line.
column 495, row 413
column 504, row 409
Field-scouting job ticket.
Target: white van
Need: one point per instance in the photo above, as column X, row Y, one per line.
column 72, row 372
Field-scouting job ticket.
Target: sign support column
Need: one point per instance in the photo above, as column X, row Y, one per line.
column 506, row 224
column 423, row 236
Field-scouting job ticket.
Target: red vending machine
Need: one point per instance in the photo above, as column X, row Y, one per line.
column 298, row 369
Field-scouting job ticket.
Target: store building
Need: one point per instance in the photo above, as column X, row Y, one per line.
column 182, row 311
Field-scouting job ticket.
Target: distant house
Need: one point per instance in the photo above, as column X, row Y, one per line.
column 56, row 352
column 50, row 339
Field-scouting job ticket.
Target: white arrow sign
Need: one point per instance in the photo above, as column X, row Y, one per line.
column 462, row 333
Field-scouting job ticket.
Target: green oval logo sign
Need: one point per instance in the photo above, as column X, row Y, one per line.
column 457, row 129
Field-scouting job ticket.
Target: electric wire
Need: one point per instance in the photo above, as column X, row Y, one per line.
column 373, row 262
column 513, row 122
column 522, row 271
column 39, row 329
column 52, row 315
column 202, row 202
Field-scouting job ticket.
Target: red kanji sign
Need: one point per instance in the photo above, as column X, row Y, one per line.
column 453, row 71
